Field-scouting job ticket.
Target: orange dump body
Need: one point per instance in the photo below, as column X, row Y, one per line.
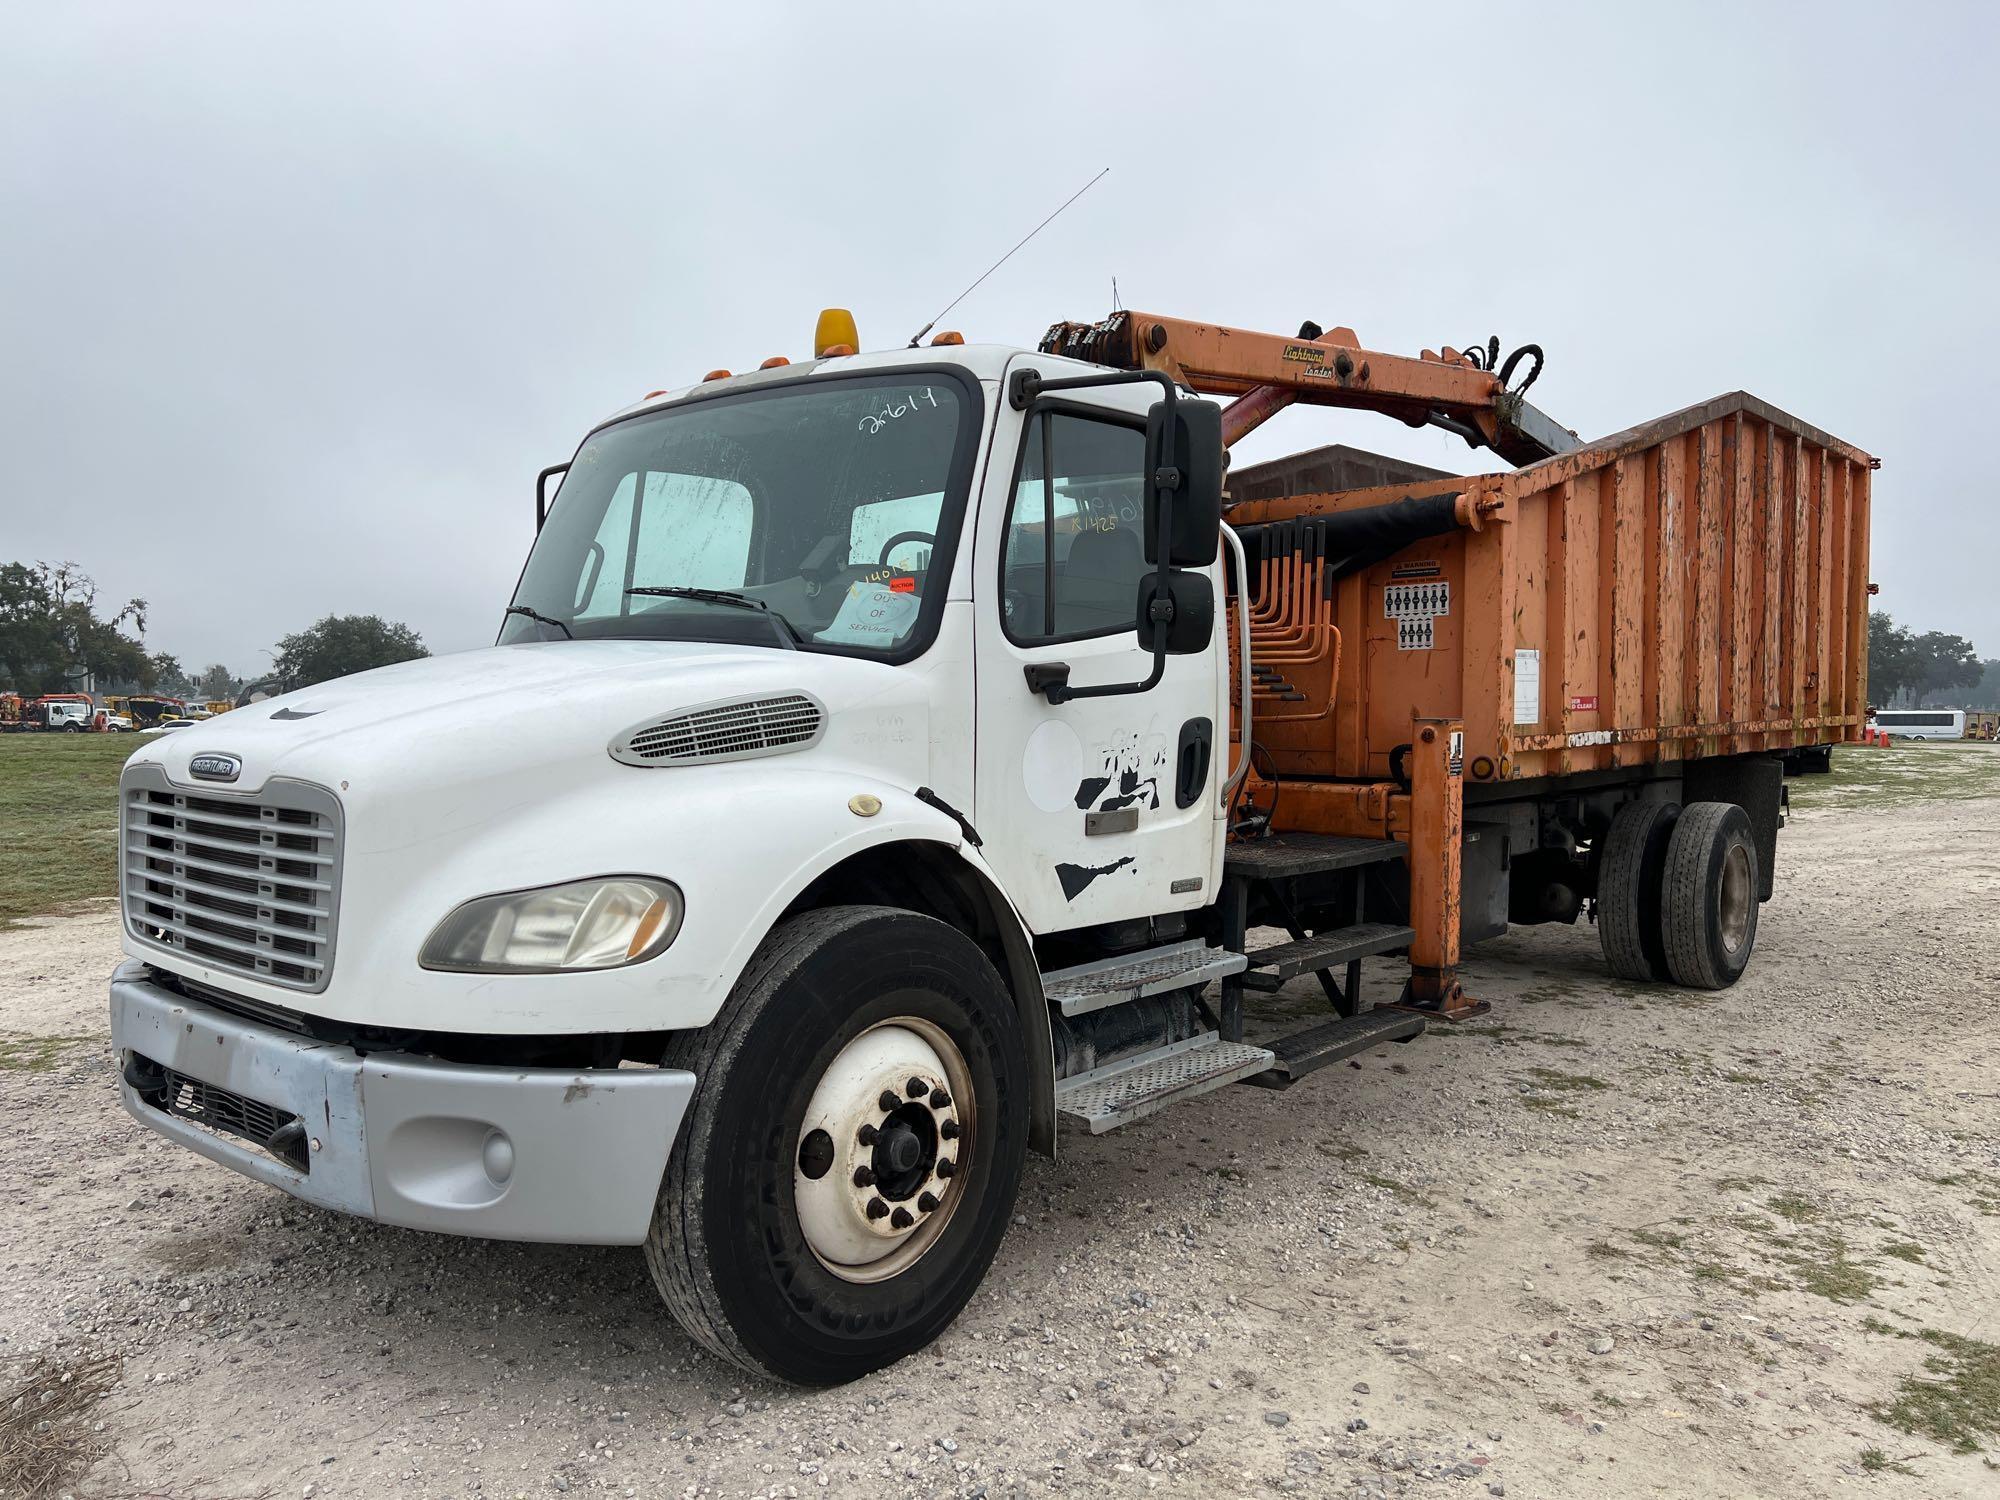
column 1693, row 587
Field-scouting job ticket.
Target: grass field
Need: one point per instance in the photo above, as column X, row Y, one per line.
column 58, row 820
column 1908, row 771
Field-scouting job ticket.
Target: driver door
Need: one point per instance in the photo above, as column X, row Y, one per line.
column 1096, row 809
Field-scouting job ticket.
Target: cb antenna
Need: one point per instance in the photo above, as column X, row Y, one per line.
column 1005, row 258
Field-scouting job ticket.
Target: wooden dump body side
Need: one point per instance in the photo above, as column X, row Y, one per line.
column 1693, row 587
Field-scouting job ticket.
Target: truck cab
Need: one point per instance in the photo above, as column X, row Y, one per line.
column 827, row 693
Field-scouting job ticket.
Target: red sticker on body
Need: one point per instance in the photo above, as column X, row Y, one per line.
column 902, row 585
column 1587, row 704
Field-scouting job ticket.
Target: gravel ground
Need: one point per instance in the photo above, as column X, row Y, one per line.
column 1608, row 1240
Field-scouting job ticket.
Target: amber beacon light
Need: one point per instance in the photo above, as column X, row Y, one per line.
column 835, row 334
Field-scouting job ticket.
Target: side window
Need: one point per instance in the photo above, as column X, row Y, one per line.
column 1074, row 553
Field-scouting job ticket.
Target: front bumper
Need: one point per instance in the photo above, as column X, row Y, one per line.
column 571, row 1156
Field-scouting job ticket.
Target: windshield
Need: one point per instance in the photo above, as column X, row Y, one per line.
column 829, row 506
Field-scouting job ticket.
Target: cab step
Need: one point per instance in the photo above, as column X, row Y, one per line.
column 1133, row 976
column 1306, row 1051
column 1134, row 1087
column 1270, row 968
column 1287, row 854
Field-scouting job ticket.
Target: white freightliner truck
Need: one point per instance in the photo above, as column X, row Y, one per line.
column 707, row 920
column 847, row 798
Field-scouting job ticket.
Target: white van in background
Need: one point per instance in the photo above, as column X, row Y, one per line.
column 1921, row 723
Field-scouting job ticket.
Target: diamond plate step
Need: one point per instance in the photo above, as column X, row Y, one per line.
column 1122, row 1092
column 1270, row 968
column 1305, row 1051
column 1132, row 976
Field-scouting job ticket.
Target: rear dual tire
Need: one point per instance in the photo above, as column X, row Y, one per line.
column 1710, row 896
column 1677, row 894
column 1629, row 876
column 806, row 1230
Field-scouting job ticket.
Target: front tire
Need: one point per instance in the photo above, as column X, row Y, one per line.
column 822, row 1215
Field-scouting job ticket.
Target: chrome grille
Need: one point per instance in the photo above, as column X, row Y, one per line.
column 245, row 884
column 724, row 731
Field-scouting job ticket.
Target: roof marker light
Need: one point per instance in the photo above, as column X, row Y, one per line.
column 947, row 337
column 715, row 375
column 775, row 362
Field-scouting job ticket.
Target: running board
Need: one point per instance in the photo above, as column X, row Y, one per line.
column 1303, row 1052
column 1270, row 968
column 1134, row 1087
column 1133, row 976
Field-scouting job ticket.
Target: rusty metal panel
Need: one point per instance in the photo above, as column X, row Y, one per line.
column 1628, row 599
column 1693, row 587
column 1740, row 528
column 1705, row 647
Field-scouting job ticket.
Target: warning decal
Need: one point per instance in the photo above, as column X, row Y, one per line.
column 1416, row 608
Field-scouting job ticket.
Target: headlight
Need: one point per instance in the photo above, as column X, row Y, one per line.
column 585, row 924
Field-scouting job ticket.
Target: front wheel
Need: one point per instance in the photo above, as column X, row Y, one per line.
column 850, row 1158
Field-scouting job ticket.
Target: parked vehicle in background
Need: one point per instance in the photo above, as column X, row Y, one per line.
column 63, row 713
column 167, row 725
column 886, row 756
column 1921, row 723
column 146, row 708
column 117, row 723
column 1982, row 724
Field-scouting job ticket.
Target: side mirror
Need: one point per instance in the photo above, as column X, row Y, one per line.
column 1191, row 625
column 1190, row 445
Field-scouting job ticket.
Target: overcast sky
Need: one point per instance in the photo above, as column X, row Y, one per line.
column 294, row 301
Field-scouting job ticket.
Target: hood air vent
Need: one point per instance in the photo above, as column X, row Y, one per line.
column 737, row 729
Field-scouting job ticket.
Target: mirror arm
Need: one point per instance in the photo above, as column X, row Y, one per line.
column 1023, row 390
column 542, row 492
column 1243, row 690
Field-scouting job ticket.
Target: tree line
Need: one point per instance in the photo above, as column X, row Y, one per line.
column 1907, row 670
column 55, row 636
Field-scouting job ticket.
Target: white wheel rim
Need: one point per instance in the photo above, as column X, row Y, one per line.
column 877, row 1189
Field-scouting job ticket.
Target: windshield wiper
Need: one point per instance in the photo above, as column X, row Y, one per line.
column 787, row 631
column 540, row 619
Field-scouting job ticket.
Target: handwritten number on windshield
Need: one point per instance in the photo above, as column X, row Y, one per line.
column 873, row 422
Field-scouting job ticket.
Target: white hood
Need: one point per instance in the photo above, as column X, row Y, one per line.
column 524, row 705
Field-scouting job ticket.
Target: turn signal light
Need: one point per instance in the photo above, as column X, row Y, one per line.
column 835, row 334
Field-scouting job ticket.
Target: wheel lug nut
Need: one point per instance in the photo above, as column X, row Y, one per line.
column 927, row 1202
column 946, row 1167
column 864, row 1176
column 901, row 1219
column 948, row 1130
column 888, row 1103
column 940, row 1099
column 918, row 1088
column 866, row 1135
column 877, row 1209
